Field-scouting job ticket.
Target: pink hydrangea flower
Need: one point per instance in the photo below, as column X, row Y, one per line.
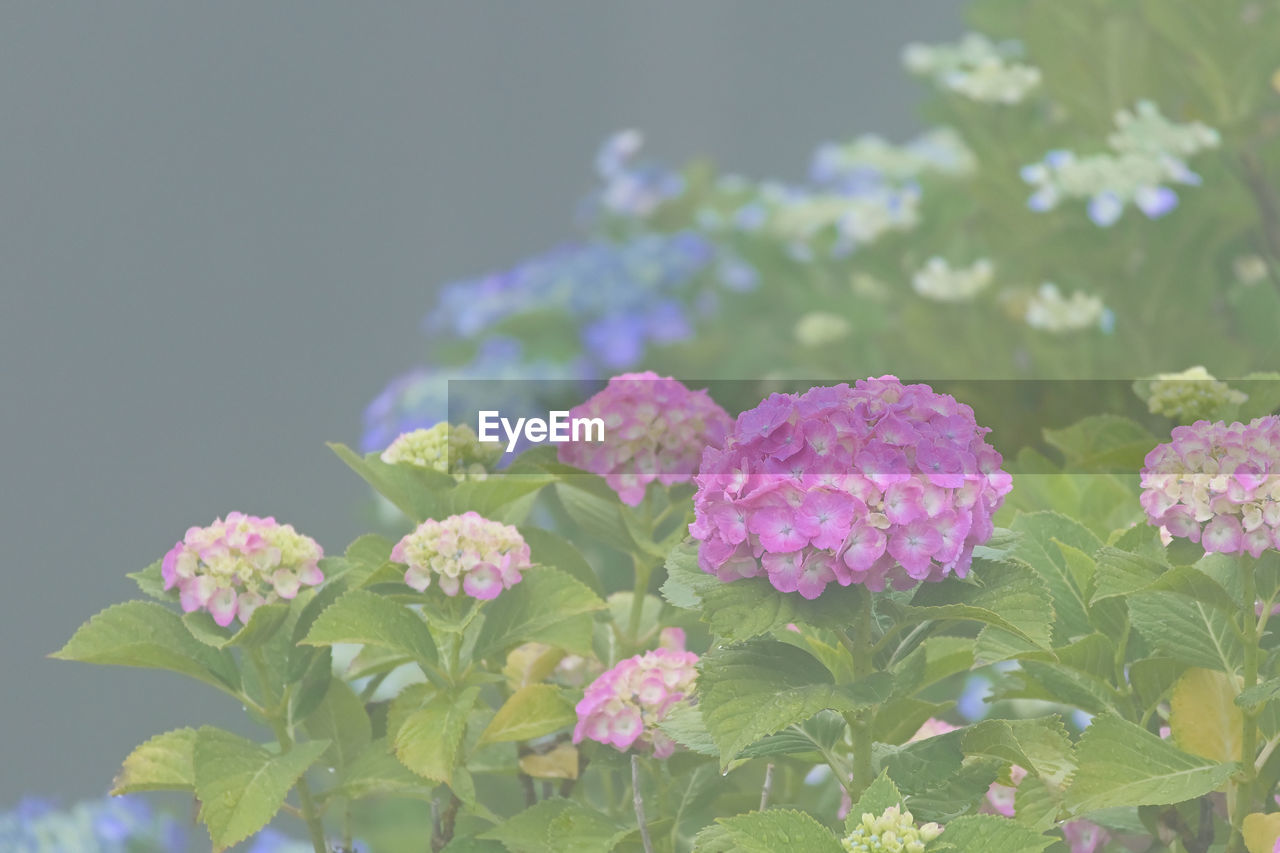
column 624, row 705
column 1081, row 836
column 1217, row 484
column 881, row 483
column 236, row 565
column 468, row 552
column 654, row 429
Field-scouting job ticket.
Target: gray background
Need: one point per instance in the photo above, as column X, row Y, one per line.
column 220, row 224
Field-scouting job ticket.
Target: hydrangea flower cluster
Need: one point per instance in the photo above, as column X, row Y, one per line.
column 1190, row 395
column 624, row 705
column 654, row 429
column 623, row 295
column 879, row 483
column 892, row 831
column 468, row 552
column 871, row 160
column 1148, row 152
column 1050, row 311
column 420, row 398
column 631, row 188
column 453, row 450
column 800, row 216
column 1217, row 484
column 938, row 280
column 109, row 825
column 233, row 567
column 974, row 67
column 819, row 328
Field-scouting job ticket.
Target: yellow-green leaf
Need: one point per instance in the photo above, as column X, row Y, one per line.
column 1204, row 717
column 531, row 712
column 164, row 763
column 1261, row 832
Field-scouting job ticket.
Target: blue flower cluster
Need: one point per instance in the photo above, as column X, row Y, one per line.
column 622, row 295
column 422, row 397
column 631, row 188
column 125, row 824
column 112, row 825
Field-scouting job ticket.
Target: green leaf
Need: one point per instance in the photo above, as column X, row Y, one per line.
column 992, row 834
column 360, row 616
column 761, row 687
column 415, row 491
column 428, row 740
column 163, row 763
column 1009, row 598
column 375, row 772
column 241, row 785
column 342, row 720
column 684, row 725
column 1187, row 630
column 1040, row 746
column 594, row 507
column 1102, row 443
column 558, row 826
column 1038, row 532
column 750, row 607
column 1254, row 698
column 1073, row 687
column 540, row 608
column 530, row 712
column 1121, row 764
column 144, row 634
column 880, row 795
column 548, row 549
column 263, row 624
column 1121, row 574
column 771, row 831
column 937, row 779
column 151, row 581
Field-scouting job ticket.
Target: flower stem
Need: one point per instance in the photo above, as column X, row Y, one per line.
column 644, row 571
column 277, row 715
column 1249, row 731
column 638, row 800
column 860, row 648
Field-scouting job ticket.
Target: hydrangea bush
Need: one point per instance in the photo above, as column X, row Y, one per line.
column 840, row 613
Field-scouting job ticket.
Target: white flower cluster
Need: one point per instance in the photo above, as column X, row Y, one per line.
column 1148, row 152
column 940, row 281
column 873, row 158
column 1190, row 395
column 975, row 67
column 893, row 831
column 1049, row 310
column 1145, row 130
column 799, row 216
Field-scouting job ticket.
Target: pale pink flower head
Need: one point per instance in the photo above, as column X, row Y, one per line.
column 1083, row 836
column 622, row 708
column 1217, row 484
column 467, row 553
column 236, row 565
column 654, row 429
column 878, row 484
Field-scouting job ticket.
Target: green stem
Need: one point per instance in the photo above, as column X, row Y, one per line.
column 860, row 647
column 276, row 716
column 644, row 571
column 1249, row 733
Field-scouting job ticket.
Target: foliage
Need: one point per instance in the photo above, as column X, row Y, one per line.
column 552, row 659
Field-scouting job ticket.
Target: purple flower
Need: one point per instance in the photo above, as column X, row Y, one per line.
column 882, row 483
